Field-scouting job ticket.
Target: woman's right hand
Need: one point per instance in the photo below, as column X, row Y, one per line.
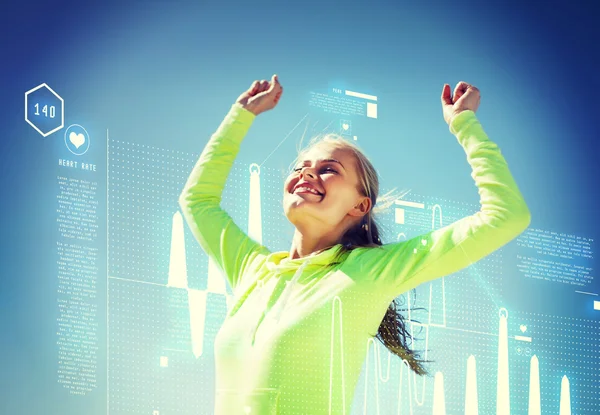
column 262, row 96
column 466, row 97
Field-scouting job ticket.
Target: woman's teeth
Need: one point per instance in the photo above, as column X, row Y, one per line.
column 306, row 189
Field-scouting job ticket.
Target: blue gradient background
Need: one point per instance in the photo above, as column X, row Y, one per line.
column 165, row 73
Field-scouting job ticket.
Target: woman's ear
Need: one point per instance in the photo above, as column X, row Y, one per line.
column 362, row 207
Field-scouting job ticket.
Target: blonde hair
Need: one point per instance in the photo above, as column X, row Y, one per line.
column 392, row 331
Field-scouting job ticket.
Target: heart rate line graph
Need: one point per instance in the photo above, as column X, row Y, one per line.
column 410, row 404
column 382, row 370
column 410, row 397
column 197, row 299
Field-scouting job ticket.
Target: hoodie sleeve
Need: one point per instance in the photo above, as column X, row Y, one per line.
column 218, row 235
column 399, row 267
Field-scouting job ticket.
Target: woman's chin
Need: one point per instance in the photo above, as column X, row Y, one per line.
column 297, row 205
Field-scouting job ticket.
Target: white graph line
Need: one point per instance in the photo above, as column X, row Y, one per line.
column 138, row 281
column 337, row 300
column 371, row 342
column 584, row 292
column 443, row 278
column 405, row 366
column 421, row 401
column 107, row 270
column 285, row 138
column 327, row 126
column 443, row 303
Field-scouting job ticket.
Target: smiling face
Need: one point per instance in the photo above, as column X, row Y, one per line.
column 332, row 172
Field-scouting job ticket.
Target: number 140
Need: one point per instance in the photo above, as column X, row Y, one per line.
column 51, row 112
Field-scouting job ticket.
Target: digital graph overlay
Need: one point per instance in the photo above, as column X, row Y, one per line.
column 150, row 253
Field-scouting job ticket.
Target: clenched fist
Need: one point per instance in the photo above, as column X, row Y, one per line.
column 466, row 97
column 262, row 95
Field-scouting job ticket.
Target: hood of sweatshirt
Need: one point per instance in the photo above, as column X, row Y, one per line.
column 280, row 261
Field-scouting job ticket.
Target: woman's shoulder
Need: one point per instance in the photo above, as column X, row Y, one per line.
column 359, row 257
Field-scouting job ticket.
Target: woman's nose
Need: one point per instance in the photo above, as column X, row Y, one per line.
column 308, row 172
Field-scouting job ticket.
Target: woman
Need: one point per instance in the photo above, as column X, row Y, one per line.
column 296, row 338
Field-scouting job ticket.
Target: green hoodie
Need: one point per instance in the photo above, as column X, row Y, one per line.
column 296, row 338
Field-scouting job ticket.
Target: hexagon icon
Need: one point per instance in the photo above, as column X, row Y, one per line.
column 44, row 110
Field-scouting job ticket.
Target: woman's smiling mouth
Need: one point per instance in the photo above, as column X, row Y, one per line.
column 305, row 189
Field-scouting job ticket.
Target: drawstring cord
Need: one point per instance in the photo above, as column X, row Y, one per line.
column 288, row 289
column 285, row 295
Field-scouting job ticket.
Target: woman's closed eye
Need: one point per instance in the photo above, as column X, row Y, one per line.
column 323, row 169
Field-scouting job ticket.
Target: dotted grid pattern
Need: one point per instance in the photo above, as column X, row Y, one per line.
column 278, row 232
column 449, row 353
column 564, row 346
column 140, row 242
column 145, row 183
column 471, row 318
column 151, row 365
column 471, row 295
column 148, row 325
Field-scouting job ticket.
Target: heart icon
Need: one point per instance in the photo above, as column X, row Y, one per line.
column 77, row 139
column 345, row 126
column 523, row 328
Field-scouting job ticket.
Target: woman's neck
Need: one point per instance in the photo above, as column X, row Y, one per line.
column 304, row 246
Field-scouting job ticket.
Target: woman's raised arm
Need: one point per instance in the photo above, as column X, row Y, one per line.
column 200, row 201
column 401, row 266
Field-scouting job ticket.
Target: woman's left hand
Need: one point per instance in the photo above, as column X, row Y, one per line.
column 466, row 97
